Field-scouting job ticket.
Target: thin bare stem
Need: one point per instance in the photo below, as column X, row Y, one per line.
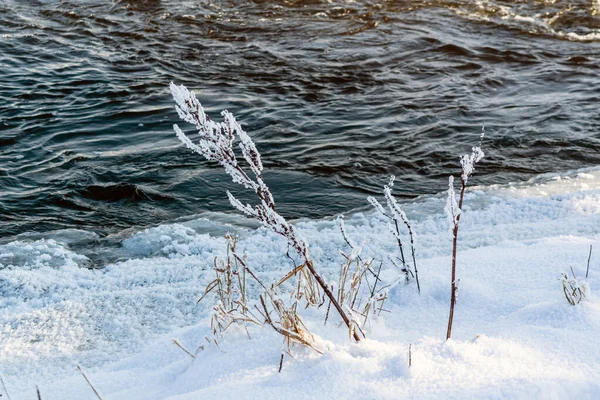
column 400, row 244
column 4, row 387
column 396, row 214
column 280, row 363
column 587, row 271
column 89, row 382
column 454, row 245
column 327, row 313
column 331, row 296
column 412, row 250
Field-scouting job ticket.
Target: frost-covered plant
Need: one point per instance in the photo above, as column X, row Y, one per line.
column 216, row 143
column 454, row 213
column 574, row 290
column 397, row 217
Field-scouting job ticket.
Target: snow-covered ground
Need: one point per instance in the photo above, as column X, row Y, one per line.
column 514, row 335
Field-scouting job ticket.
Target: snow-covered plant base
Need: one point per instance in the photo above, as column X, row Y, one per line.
column 573, row 289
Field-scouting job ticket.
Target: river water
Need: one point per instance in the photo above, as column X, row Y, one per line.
column 336, row 94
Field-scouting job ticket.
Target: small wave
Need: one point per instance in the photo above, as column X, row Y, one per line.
column 121, row 191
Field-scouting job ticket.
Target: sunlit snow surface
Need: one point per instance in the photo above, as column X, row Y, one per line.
column 514, row 336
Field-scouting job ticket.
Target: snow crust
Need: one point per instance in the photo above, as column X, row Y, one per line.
column 515, row 336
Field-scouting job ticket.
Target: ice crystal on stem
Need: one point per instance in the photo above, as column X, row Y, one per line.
column 452, row 210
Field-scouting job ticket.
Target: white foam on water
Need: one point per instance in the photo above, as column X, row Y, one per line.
column 484, row 10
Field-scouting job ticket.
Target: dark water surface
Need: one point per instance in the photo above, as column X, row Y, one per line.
column 336, row 94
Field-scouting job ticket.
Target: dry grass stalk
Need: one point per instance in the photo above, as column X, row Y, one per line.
column 229, row 286
column 89, row 382
column 216, row 144
column 233, row 304
column 178, row 344
column 306, row 286
column 288, row 322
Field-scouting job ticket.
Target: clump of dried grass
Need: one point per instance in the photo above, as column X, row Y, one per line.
column 229, row 286
column 288, row 324
column 233, row 306
column 355, row 292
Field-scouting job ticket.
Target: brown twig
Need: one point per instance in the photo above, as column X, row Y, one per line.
column 280, row 362
column 186, row 351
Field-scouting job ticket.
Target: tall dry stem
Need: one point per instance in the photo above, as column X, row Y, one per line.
column 454, row 212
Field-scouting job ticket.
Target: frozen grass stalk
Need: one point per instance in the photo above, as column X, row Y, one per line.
column 397, row 218
column 454, row 212
column 216, row 143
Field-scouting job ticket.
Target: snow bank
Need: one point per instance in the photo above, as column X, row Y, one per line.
column 514, row 336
